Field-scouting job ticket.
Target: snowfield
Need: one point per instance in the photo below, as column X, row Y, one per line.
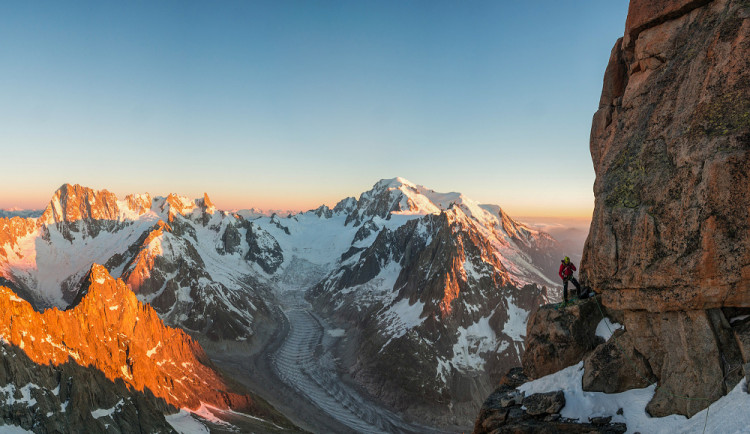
column 728, row 415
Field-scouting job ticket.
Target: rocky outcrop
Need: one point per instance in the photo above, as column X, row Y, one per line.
column 560, row 337
column 671, row 150
column 507, row 410
column 544, row 403
column 616, row 366
column 684, row 352
column 263, row 249
column 231, row 240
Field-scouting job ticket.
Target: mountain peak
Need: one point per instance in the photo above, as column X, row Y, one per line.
column 102, row 286
column 206, row 204
column 138, row 203
column 393, row 183
column 206, row 201
column 73, row 202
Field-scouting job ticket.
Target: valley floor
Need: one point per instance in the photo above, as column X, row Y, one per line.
column 297, row 373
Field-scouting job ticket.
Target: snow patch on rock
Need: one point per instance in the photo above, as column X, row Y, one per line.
column 606, row 328
column 727, row 415
column 515, row 326
column 402, row 317
column 473, row 341
column 107, row 412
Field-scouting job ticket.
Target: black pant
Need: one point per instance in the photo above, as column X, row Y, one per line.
column 565, row 287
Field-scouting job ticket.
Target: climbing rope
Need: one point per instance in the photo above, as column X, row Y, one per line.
column 648, row 381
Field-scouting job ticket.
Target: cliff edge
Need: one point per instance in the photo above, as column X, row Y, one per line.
column 670, row 145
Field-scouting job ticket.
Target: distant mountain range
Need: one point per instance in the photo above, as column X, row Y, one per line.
column 432, row 289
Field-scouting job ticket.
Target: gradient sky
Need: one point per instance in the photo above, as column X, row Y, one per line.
column 292, row 104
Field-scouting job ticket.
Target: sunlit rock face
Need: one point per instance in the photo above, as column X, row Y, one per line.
column 671, row 150
column 669, row 246
column 109, row 329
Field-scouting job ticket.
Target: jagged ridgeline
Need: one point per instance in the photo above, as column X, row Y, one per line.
column 669, row 246
column 431, row 290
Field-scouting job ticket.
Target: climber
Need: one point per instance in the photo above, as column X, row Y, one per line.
column 566, row 274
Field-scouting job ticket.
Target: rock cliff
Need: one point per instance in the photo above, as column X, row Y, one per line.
column 669, row 245
column 72, row 398
column 671, row 150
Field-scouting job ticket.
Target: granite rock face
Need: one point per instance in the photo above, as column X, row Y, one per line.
column 616, row 366
column 669, row 244
column 558, row 338
column 671, row 150
column 109, row 329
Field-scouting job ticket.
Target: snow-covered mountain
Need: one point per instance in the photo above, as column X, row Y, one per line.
column 432, row 288
column 437, row 288
column 169, row 250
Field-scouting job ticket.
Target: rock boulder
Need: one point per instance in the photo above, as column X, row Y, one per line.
column 616, row 366
column 558, row 338
column 544, row 403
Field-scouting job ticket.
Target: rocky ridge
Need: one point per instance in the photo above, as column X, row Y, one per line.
column 437, row 313
column 72, row 398
column 130, row 343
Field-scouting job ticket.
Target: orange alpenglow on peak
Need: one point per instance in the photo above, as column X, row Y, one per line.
column 107, row 328
column 145, row 259
column 207, row 202
column 75, row 202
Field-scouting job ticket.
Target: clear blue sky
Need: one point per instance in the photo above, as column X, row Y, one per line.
column 291, row 104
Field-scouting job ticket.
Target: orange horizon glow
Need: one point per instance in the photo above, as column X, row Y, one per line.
column 304, row 198
column 302, row 204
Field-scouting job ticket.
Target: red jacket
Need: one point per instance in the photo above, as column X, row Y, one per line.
column 566, row 270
